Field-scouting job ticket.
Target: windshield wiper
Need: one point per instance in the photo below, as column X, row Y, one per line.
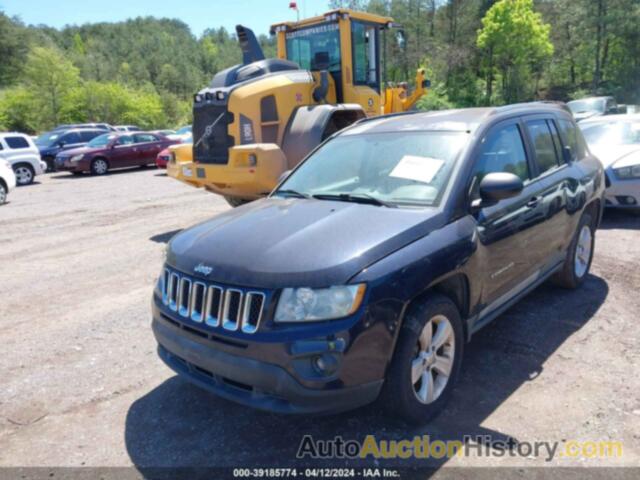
column 356, row 198
column 292, row 193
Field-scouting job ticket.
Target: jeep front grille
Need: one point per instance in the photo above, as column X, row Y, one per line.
column 229, row 308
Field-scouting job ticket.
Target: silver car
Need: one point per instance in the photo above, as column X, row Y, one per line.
column 615, row 140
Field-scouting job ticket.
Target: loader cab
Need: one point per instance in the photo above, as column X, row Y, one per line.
column 349, row 42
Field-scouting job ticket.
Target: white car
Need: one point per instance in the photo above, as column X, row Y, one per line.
column 22, row 154
column 615, row 140
column 7, row 180
column 183, row 135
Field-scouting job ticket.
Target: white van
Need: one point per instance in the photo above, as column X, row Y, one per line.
column 22, row 154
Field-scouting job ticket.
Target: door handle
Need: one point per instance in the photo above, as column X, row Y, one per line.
column 533, row 202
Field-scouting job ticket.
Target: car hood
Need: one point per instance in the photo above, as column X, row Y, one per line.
column 79, row 151
column 588, row 114
column 610, row 154
column 275, row 242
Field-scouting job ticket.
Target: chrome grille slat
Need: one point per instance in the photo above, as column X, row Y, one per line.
column 232, row 309
column 184, row 296
column 214, row 306
column 173, row 291
column 251, row 318
column 198, row 301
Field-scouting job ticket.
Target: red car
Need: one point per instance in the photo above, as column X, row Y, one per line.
column 163, row 158
column 113, row 150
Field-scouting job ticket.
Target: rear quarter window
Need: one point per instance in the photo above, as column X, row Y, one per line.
column 17, row 142
column 572, row 137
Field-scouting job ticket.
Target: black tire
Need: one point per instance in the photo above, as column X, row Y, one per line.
column 51, row 164
column 24, row 174
column 97, row 166
column 3, row 193
column 235, row 201
column 399, row 397
column 569, row 276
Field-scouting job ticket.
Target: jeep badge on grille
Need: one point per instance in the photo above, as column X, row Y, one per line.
column 203, row 269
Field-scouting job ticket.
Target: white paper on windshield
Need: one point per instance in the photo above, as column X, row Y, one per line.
column 421, row 169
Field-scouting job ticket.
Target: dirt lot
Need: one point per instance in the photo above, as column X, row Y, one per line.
column 80, row 384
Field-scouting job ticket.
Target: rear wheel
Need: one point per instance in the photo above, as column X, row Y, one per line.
column 3, row 193
column 99, row 166
column 579, row 256
column 235, row 201
column 426, row 362
column 24, row 174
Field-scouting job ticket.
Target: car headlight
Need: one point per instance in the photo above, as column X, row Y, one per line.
column 632, row 171
column 76, row 158
column 308, row 304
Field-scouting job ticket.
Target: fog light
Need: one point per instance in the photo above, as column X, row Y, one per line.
column 626, row 200
column 253, row 160
column 325, row 364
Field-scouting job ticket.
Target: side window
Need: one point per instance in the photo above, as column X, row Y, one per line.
column 556, row 140
column 71, row 137
column 543, row 145
column 17, row 142
column 89, row 135
column 572, row 138
column 145, row 138
column 502, row 151
column 125, row 140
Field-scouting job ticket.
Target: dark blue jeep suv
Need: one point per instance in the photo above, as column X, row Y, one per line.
column 366, row 271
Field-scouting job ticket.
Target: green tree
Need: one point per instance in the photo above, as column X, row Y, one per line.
column 51, row 77
column 515, row 42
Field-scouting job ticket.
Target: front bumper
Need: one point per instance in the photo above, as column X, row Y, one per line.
column 622, row 193
column 248, row 381
column 252, row 171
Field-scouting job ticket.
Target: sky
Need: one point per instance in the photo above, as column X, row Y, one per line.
column 198, row 14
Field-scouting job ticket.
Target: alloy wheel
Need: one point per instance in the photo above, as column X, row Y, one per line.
column 100, row 167
column 583, row 251
column 24, row 176
column 433, row 363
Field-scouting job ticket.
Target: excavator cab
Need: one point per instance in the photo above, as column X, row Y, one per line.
column 258, row 119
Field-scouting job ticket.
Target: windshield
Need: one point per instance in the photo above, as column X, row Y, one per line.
column 411, row 168
column 183, row 130
column 304, row 44
column 101, row 140
column 47, row 139
column 593, row 105
column 614, row 133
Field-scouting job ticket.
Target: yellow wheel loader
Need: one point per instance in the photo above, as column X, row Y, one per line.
column 259, row 119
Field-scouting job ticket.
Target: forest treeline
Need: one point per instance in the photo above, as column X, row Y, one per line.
column 477, row 52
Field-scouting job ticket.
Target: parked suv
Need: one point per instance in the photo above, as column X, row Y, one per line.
column 368, row 268
column 55, row 141
column 19, row 150
column 7, row 180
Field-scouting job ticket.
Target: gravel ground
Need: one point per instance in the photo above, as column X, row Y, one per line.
column 80, row 384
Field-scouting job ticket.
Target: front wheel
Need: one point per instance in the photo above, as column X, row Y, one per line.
column 24, row 174
column 3, row 193
column 579, row 256
column 99, row 166
column 426, row 362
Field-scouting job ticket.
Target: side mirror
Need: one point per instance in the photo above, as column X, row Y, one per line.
column 283, row 176
column 567, row 154
column 62, row 143
column 321, row 61
column 498, row 186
